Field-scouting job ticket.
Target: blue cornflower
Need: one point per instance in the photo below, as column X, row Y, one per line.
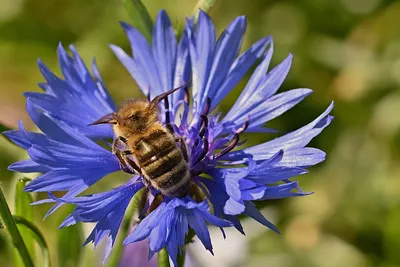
column 228, row 180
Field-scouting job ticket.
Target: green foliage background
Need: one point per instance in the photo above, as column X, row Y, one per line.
column 345, row 50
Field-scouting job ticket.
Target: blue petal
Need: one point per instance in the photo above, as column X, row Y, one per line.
column 47, row 126
column 260, row 87
column 27, row 166
column 75, row 111
column 275, row 174
column 255, row 79
column 270, row 108
column 106, row 209
column 182, row 68
column 201, row 47
column 163, row 66
column 78, row 100
column 292, row 141
column 65, row 179
column 133, row 68
column 62, row 163
column 143, row 57
column 18, row 138
column 253, row 212
column 226, row 51
column 302, row 157
column 94, row 207
column 251, row 190
column 221, row 200
column 239, row 68
column 27, row 139
column 53, row 158
column 164, row 50
column 200, row 227
column 282, row 191
column 167, row 225
column 143, row 229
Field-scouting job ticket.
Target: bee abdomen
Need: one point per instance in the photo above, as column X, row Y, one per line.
column 156, row 145
column 169, row 173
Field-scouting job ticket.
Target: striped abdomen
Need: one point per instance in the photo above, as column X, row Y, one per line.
column 162, row 163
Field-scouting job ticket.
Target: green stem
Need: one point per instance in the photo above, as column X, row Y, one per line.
column 38, row 237
column 181, row 258
column 163, row 258
column 205, row 5
column 140, row 17
column 16, row 238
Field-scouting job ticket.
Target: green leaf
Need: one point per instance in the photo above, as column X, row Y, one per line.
column 69, row 244
column 10, row 225
column 205, row 5
column 140, row 18
column 4, row 128
column 163, row 258
column 37, row 235
column 23, row 201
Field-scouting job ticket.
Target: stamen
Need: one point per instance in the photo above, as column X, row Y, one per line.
column 204, row 124
column 235, row 140
column 204, row 152
column 231, row 146
column 167, row 112
column 148, row 95
column 186, row 98
column 143, row 203
column 244, row 127
column 208, row 105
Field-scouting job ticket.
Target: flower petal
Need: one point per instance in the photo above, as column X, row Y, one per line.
column 78, row 99
column 291, row 141
column 175, row 214
column 106, row 209
column 239, row 68
column 253, row 212
column 143, row 58
column 201, row 47
column 226, row 51
column 164, row 50
column 260, row 87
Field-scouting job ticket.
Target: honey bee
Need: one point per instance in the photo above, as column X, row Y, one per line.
column 145, row 146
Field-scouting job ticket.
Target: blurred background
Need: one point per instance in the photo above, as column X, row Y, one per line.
column 345, row 50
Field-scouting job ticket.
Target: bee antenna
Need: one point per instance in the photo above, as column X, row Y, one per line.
column 158, row 98
column 111, row 118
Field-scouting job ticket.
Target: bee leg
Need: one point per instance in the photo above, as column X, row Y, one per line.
column 118, row 142
column 127, row 164
column 168, row 123
column 124, row 165
column 182, row 146
column 125, row 154
column 156, row 202
column 143, row 204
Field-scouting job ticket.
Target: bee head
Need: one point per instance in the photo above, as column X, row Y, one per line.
column 134, row 116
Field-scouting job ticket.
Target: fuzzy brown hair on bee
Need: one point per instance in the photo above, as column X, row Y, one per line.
column 151, row 149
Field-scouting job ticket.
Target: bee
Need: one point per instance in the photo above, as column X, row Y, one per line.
column 145, row 146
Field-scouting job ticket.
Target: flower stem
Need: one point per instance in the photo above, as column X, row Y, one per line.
column 16, row 238
column 163, row 258
column 38, row 237
column 181, row 258
column 205, row 5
